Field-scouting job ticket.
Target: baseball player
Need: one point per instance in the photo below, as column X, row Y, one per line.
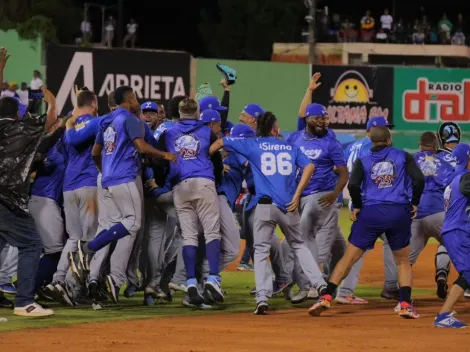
column 379, row 191
column 8, row 268
column 194, row 179
column 448, row 135
column 438, row 173
column 121, row 136
column 45, row 206
column 319, row 215
column 456, row 235
column 274, row 163
column 79, row 191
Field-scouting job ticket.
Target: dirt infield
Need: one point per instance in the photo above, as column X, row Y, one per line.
column 344, row 328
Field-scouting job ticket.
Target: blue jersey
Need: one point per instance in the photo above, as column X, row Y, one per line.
column 325, row 153
column 120, row 161
column 50, row 176
column 437, row 175
column 162, row 128
column 357, row 150
column 81, row 170
column 232, row 181
column 385, row 177
column 457, row 207
column 446, row 155
column 274, row 163
column 190, row 141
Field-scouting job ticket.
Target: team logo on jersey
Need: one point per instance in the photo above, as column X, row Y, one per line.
column 447, row 194
column 429, row 165
column 188, row 146
column 312, row 154
column 383, row 173
column 109, row 138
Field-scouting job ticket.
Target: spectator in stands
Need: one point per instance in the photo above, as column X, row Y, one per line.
column 460, row 23
column 85, row 27
column 36, row 84
column 425, row 26
column 131, row 33
column 432, row 36
column 445, row 28
column 347, row 34
column 23, row 94
column 400, row 32
column 11, row 91
column 458, row 38
column 109, row 32
column 386, row 21
column 367, row 27
column 381, row 36
column 418, row 36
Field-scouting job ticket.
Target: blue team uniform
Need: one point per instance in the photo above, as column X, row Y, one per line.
column 378, row 184
column 447, row 156
column 231, row 184
column 81, row 170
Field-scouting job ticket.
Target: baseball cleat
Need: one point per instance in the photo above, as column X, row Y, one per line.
column 313, row 294
column 213, row 286
column 447, row 320
column 130, row 291
column 350, row 300
column 321, row 305
column 84, row 256
column 8, row 289
column 245, row 267
column 62, row 295
column 95, row 293
column 6, row 303
column 261, row 308
column 195, row 297
column 300, row 297
column 112, row 289
column 178, row 287
column 467, row 293
column 289, row 294
column 442, row 288
column 149, row 300
column 75, row 267
column 33, row 310
column 395, row 295
column 253, row 291
column 279, row 287
column 186, row 303
column 407, row 311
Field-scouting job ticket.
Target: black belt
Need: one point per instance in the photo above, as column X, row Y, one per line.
column 252, row 190
column 265, row 200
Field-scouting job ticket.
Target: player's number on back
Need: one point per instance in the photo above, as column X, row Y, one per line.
column 280, row 163
column 352, row 158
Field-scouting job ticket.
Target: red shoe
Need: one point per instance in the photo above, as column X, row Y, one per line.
column 321, row 305
column 407, row 311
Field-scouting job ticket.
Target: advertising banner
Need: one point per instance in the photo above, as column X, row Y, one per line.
column 154, row 75
column 353, row 94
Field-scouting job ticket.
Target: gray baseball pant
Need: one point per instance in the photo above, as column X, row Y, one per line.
column 422, row 230
column 230, row 237
column 276, row 255
column 267, row 217
column 80, row 222
column 47, row 216
column 8, row 264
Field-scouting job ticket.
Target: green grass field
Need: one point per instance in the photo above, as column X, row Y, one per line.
column 238, row 299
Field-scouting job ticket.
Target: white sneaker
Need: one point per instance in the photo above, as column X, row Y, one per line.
column 467, row 293
column 300, row 297
column 178, row 287
column 313, row 294
column 32, row 310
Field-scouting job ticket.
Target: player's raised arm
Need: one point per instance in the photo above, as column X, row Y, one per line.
column 216, row 146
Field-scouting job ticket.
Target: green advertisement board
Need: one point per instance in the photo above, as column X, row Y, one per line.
column 276, row 86
column 426, row 97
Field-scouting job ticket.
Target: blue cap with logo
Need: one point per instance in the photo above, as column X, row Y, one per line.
column 210, row 115
column 149, row 106
column 211, row 102
column 315, row 110
column 377, row 121
column 254, row 110
column 461, row 154
column 228, row 126
column 242, row 131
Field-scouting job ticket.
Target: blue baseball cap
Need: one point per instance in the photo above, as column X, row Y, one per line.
column 149, row 106
column 211, row 102
column 377, row 121
column 242, row 131
column 228, row 126
column 210, row 115
column 22, row 108
column 254, row 110
column 461, row 154
column 315, row 110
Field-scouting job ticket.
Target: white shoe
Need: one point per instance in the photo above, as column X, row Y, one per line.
column 313, row 294
column 177, row 287
column 300, row 297
column 467, row 293
column 32, row 310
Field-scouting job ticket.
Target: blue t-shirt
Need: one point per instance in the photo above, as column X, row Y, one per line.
column 356, row 150
column 385, row 177
column 50, row 176
column 447, row 156
column 162, row 128
column 120, row 160
column 232, row 181
column 325, row 153
column 274, row 163
column 457, row 207
column 81, row 170
column 438, row 174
